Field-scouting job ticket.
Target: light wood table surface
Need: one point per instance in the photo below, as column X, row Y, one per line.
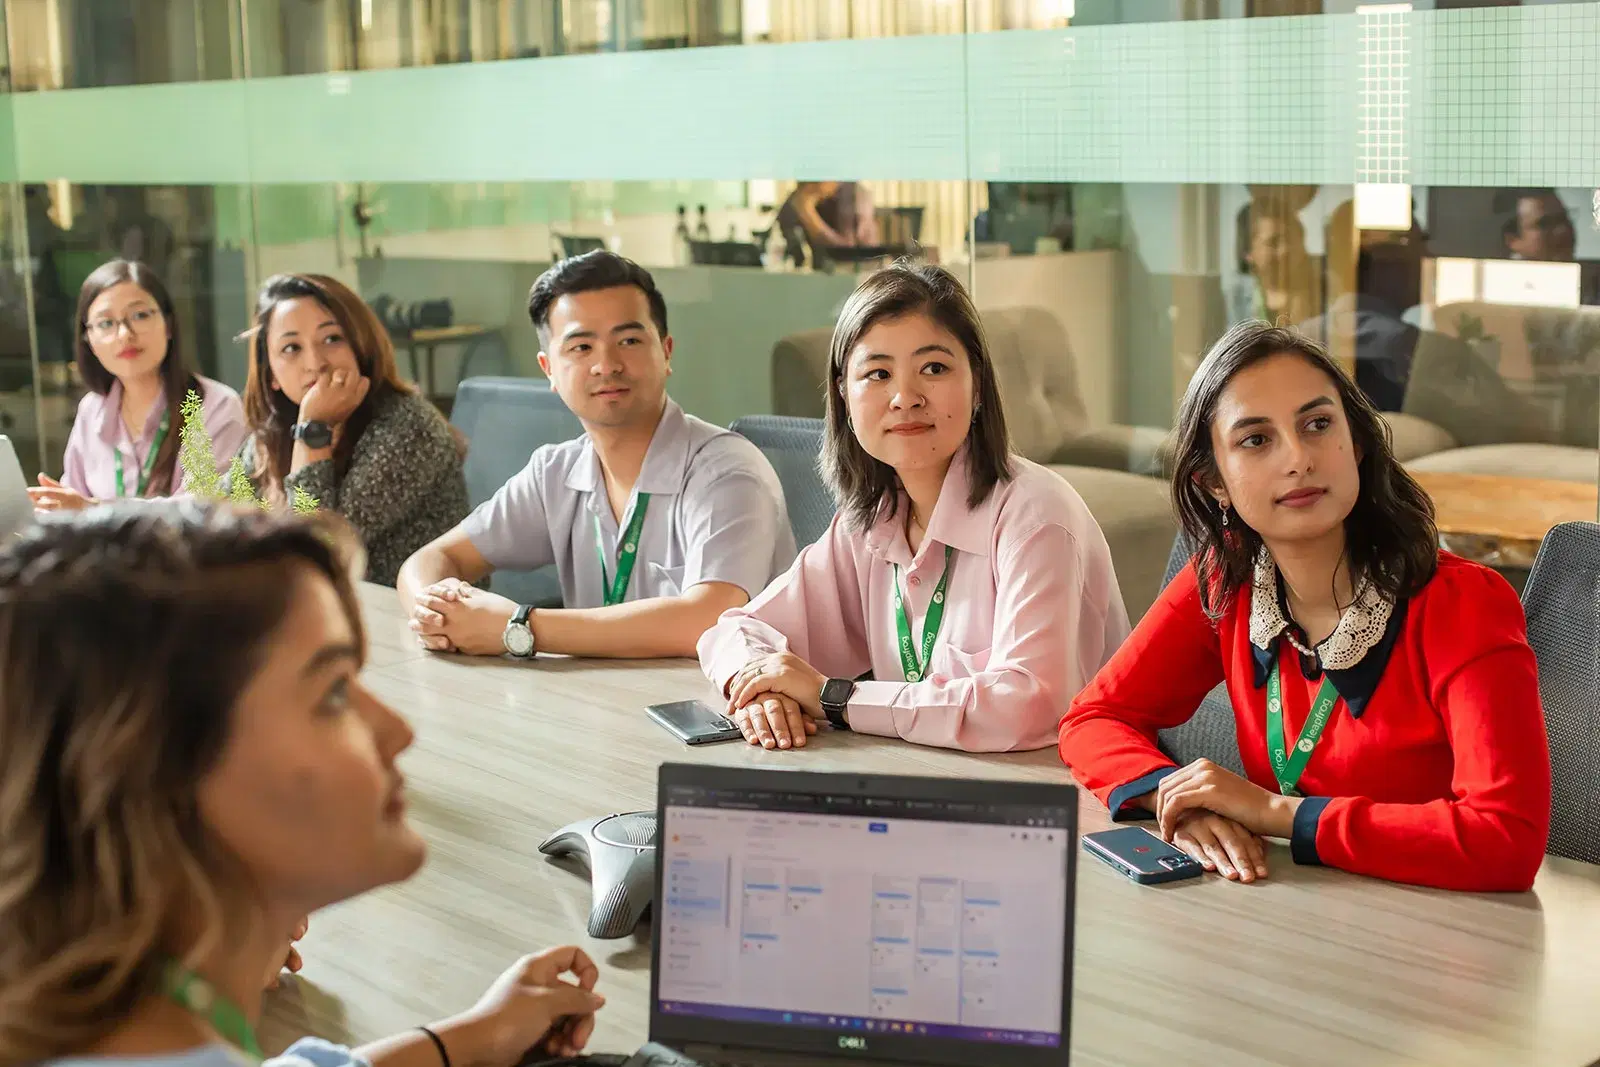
column 1500, row 520
column 1311, row 967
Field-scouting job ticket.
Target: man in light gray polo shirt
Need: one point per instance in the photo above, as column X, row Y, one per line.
column 656, row 521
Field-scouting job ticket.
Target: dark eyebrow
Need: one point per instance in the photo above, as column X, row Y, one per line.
column 924, row 350
column 627, row 327
column 329, row 654
column 1258, row 420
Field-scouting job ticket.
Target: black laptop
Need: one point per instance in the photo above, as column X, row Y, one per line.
column 807, row 918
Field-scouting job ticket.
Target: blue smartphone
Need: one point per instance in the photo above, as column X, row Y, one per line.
column 1141, row 855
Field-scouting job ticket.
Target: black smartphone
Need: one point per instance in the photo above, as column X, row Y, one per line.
column 1141, row 855
column 694, row 722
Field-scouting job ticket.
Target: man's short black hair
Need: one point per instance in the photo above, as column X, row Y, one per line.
column 587, row 273
column 1508, row 205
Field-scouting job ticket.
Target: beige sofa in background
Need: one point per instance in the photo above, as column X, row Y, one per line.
column 1037, row 376
column 1481, row 419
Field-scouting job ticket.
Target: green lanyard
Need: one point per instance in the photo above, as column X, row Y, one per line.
column 1287, row 767
column 149, row 460
column 914, row 668
column 614, row 589
column 201, row 999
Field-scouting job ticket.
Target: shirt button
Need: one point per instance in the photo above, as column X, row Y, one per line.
column 915, row 580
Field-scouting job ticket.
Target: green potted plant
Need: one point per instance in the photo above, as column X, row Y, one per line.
column 198, row 459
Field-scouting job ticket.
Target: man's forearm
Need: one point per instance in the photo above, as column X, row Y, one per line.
column 425, row 567
column 656, row 628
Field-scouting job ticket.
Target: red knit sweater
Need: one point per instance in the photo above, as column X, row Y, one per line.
column 1441, row 777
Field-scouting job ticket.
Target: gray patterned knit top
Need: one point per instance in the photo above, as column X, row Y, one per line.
column 404, row 486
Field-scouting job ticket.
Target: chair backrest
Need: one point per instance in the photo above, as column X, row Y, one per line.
column 505, row 420
column 792, row 446
column 1562, row 602
column 1033, row 364
column 1211, row 733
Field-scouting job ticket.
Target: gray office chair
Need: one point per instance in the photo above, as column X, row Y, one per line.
column 505, row 419
column 1562, row 602
column 1211, row 733
column 792, row 445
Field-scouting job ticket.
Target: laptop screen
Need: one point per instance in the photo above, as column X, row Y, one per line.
column 870, row 912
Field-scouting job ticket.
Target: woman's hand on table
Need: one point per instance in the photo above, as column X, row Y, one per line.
column 783, row 673
column 772, row 720
column 1205, row 786
column 776, row 699
column 543, row 1003
column 51, row 495
column 1221, row 845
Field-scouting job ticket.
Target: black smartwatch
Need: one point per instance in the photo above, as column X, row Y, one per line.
column 836, row 694
column 314, row 433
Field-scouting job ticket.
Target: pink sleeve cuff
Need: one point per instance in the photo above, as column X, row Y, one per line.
column 872, row 708
column 733, row 642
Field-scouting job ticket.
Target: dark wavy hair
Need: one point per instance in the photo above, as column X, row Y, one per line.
column 867, row 488
column 1390, row 536
column 272, row 414
column 176, row 376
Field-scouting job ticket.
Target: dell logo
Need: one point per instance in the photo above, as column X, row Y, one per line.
column 850, row 1041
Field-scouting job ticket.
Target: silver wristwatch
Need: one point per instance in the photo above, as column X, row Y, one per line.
column 518, row 635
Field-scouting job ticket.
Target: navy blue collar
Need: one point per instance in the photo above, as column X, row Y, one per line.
column 1354, row 684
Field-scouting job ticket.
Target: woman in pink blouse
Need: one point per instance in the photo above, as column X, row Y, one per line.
column 963, row 595
column 124, row 442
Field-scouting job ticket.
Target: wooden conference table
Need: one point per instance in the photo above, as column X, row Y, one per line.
column 1312, row 967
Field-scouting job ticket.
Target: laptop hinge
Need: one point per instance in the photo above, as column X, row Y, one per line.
column 716, row 1054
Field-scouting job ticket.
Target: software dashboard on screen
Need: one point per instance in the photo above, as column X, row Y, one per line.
column 919, row 926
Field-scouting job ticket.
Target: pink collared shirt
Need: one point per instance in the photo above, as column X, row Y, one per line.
column 1032, row 610
column 98, row 434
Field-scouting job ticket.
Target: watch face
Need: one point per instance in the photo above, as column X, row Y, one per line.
column 315, row 434
column 837, row 691
column 518, row 640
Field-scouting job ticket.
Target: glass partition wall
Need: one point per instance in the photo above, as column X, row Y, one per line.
column 1415, row 184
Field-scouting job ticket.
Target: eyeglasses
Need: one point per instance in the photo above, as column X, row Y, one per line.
column 104, row 329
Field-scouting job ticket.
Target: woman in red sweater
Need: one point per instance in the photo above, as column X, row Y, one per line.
column 1386, row 698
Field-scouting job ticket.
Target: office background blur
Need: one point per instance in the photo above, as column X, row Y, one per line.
column 1116, row 181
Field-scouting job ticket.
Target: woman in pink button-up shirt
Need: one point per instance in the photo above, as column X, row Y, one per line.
column 125, row 440
column 972, row 587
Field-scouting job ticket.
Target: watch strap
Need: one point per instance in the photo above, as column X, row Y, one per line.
column 313, row 432
column 520, row 617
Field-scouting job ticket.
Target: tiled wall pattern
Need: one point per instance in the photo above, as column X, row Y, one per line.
column 1472, row 97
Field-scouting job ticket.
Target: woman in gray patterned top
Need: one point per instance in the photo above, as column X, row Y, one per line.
column 330, row 414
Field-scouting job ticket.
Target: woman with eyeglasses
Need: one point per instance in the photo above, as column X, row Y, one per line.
column 125, row 439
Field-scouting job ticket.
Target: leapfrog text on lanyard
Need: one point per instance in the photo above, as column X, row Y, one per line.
column 149, row 460
column 201, row 999
column 915, row 669
column 615, row 588
column 1288, row 766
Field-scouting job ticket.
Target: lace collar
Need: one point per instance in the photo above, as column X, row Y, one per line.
column 1361, row 628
